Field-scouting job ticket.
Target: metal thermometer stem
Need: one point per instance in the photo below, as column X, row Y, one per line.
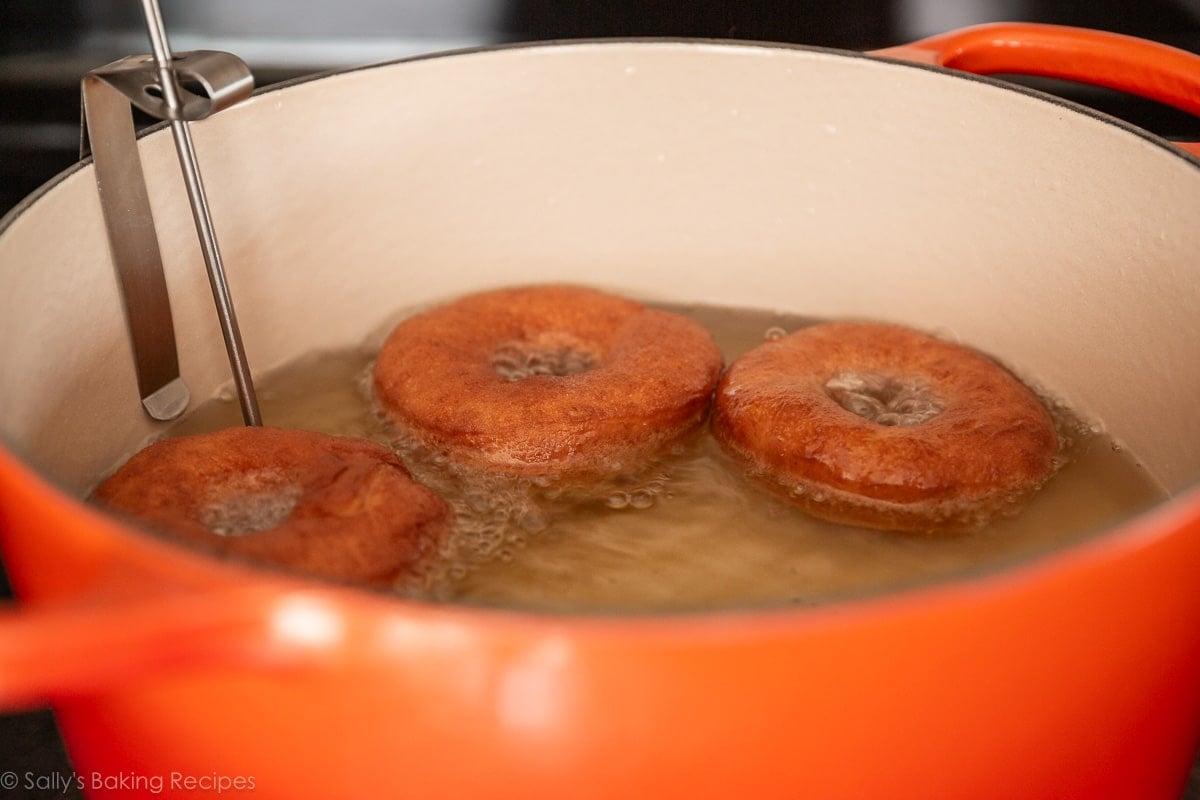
column 200, row 213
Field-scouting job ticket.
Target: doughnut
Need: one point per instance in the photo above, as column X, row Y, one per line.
column 330, row 506
column 885, row 427
column 555, row 383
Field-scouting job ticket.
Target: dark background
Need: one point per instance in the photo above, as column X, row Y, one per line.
column 46, row 46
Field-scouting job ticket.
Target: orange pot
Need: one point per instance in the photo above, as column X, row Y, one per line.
column 820, row 182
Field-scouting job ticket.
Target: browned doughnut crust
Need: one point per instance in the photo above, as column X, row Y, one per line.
column 991, row 446
column 357, row 514
column 650, row 384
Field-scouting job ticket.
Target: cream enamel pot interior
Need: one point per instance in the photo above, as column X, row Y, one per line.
column 824, row 183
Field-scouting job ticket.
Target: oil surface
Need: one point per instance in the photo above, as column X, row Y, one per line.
column 690, row 533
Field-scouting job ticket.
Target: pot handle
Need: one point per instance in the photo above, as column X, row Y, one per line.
column 52, row 651
column 1147, row 69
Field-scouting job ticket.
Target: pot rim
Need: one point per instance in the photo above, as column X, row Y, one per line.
column 739, row 44
column 1126, row 532
column 26, row 202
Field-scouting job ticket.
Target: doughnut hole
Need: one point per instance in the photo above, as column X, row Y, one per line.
column 248, row 503
column 884, row 399
column 550, row 353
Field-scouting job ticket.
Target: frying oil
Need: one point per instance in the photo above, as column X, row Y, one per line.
column 690, row 532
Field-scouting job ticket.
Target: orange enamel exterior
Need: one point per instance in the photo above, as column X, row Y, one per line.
column 1043, row 682
column 1077, row 675
column 1155, row 71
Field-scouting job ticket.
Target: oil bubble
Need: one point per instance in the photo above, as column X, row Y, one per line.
column 617, row 500
column 774, row 333
column 641, row 499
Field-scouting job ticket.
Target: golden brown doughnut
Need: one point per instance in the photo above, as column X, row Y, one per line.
column 547, row 381
column 882, row 426
column 327, row 505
